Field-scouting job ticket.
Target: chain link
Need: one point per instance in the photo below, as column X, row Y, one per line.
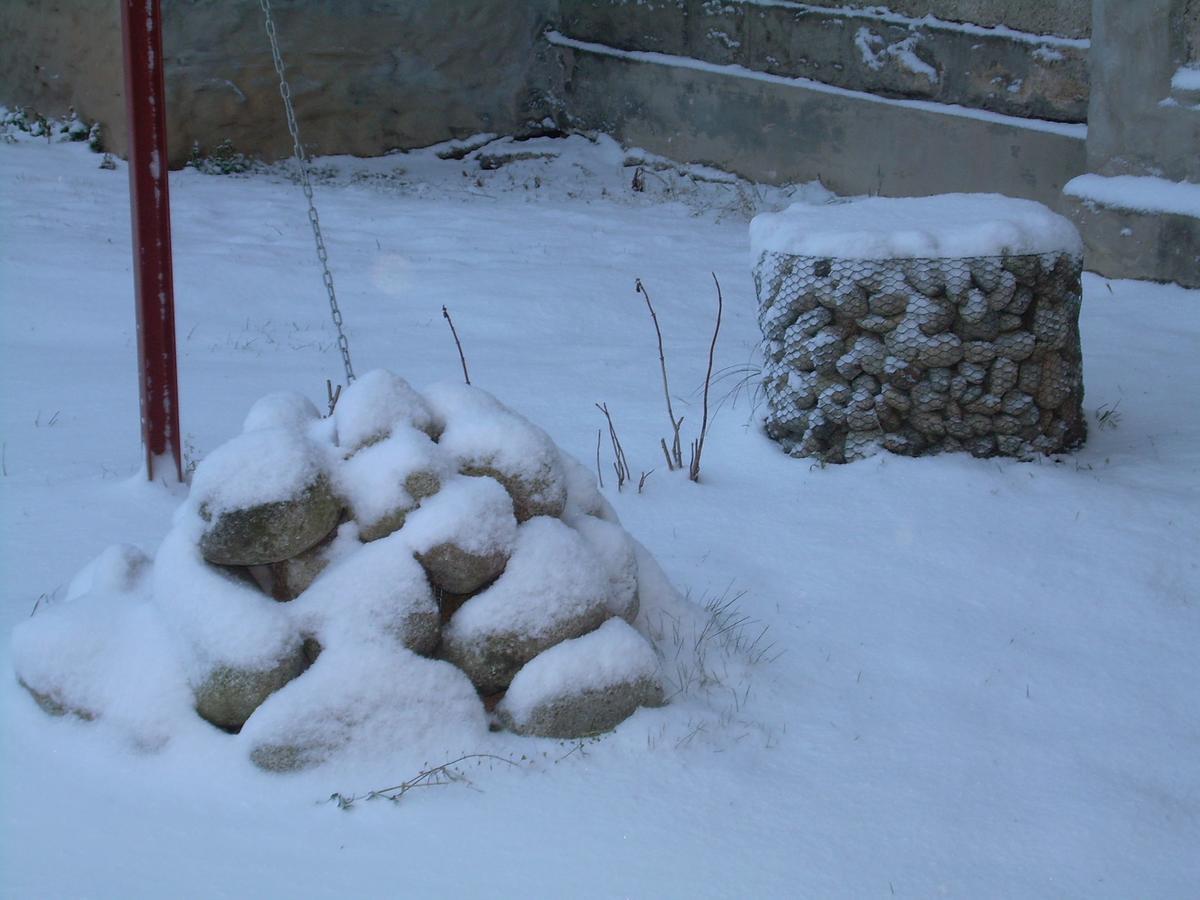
column 285, row 92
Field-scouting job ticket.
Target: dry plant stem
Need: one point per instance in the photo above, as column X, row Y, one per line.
column 332, row 394
column 437, row 775
column 642, row 480
column 675, row 457
column 698, row 444
column 620, row 466
column 599, row 475
column 461, row 358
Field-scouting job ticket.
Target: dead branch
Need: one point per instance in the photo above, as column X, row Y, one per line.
column 620, row 466
column 675, row 457
column 698, row 444
column 454, row 333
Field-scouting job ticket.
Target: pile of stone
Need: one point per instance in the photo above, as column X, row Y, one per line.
column 919, row 355
column 408, row 557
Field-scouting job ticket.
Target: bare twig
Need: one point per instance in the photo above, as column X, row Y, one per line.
column 642, row 480
column 698, row 444
column 620, row 466
column 675, row 457
column 332, row 394
column 431, row 777
column 599, row 475
column 461, row 357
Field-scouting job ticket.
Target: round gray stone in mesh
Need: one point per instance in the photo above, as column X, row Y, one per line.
column 920, row 356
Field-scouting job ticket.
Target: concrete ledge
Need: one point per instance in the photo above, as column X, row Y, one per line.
column 779, row 131
column 1121, row 243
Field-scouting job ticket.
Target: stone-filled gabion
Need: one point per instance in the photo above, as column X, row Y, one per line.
column 919, row 356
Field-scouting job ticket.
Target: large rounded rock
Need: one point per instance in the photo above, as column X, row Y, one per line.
column 228, row 694
column 584, row 686
column 554, row 588
column 264, row 496
column 383, row 482
column 270, row 532
column 463, row 536
column 371, row 408
column 486, row 438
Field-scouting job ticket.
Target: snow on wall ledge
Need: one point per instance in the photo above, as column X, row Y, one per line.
column 379, row 577
column 920, row 326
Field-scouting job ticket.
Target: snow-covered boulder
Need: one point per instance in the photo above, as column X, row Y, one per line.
column 465, row 535
column 264, row 496
column 554, row 588
column 486, row 438
column 384, row 481
column 370, row 409
column 583, row 686
column 363, row 698
column 285, row 409
column 614, row 548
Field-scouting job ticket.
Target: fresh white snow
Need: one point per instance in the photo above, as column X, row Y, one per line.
column 1140, row 193
column 950, row 226
column 978, row 676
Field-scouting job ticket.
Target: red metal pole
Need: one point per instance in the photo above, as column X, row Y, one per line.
column 145, row 109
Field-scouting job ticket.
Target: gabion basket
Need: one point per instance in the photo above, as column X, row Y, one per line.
column 920, row 356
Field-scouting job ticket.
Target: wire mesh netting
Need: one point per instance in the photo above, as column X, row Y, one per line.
column 919, row 356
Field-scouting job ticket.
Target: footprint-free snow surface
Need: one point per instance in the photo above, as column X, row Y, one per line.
column 916, row 678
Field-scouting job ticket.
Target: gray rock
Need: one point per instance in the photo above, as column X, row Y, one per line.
column 932, row 316
column 1022, row 298
column 1008, row 322
column 491, row 660
column 981, row 352
column 879, row 324
column 889, row 303
column 1017, row 345
column 1025, row 268
column 976, row 307
column 808, row 324
column 540, row 494
column 940, row 350
column 986, row 272
column 588, row 712
column 1057, row 383
column 270, row 532
column 229, row 694
column 1051, row 327
column 1003, row 376
column 418, row 485
column 54, row 705
column 458, row 570
column 1006, row 288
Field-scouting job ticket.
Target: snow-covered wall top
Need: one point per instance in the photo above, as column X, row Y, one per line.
column 952, row 226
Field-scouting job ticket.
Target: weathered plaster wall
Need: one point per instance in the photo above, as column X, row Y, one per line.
column 367, row 75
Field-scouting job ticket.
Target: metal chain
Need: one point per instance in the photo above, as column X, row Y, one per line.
column 285, row 92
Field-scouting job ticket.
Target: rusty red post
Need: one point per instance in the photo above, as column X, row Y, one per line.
column 145, row 110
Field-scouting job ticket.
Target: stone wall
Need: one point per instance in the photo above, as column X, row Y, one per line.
column 367, row 75
column 861, row 49
column 1067, row 18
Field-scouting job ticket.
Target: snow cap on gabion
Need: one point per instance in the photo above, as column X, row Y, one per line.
column 920, row 325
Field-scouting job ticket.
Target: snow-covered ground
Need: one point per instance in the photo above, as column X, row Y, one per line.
column 982, row 678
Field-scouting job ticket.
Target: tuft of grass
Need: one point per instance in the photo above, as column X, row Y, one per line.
column 697, row 660
column 1109, row 417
